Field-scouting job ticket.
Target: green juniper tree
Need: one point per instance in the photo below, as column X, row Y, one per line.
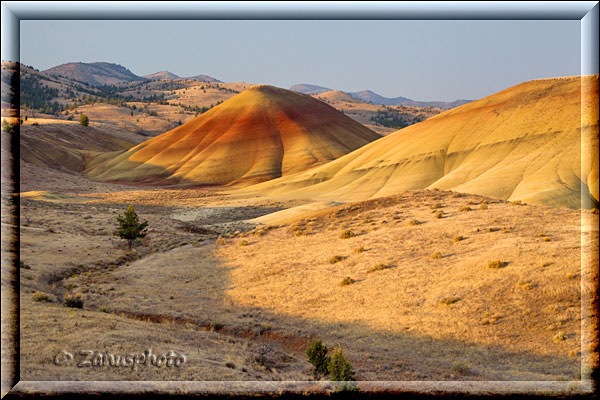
column 84, row 120
column 341, row 370
column 130, row 227
column 317, row 356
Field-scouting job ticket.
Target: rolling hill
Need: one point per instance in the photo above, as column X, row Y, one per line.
column 524, row 143
column 162, row 75
column 260, row 134
column 95, row 74
column 166, row 75
column 309, row 89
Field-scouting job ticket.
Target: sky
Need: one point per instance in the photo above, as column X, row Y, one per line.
column 421, row 60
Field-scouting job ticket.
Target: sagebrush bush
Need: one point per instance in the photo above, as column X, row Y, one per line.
column 317, row 356
column 221, row 241
column 359, row 250
column 449, row 300
column 465, row 208
column 461, row 368
column 435, row 256
column 559, row 337
column 347, row 234
column 41, row 297
column 73, row 301
column 244, row 243
column 495, row 264
column 459, row 238
column 336, row 259
column 347, row 281
column 377, row 267
column 413, row 222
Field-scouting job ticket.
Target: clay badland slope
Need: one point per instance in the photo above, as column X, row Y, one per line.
column 533, row 142
column 262, row 133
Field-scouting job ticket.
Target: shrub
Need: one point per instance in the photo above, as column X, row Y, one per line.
column 437, row 205
column 559, row 337
column 465, row 208
column 347, row 281
column 438, row 214
column 22, row 265
column 336, row 259
column 265, row 355
column 435, row 256
column 347, row 234
column 459, row 238
column 461, row 368
column 73, row 301
column 547, row 239
column 221, row 241
column 340, row 369
column 103, row 309
column 378, row 267
column 359, row 250
column 483, row 206
column 84, row 120
column 41, row 296
column 129, row 226
column 413, row 222
column 449, row 300
column 244, row 243
column 495, row 264
column 317, row 356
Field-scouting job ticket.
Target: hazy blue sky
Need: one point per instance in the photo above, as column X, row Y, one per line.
column 422, row 60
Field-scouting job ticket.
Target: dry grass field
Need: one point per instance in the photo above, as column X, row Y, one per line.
column 256, row 298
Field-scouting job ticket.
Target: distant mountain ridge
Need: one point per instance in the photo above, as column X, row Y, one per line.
column 174, row 77
column 372, row 97
column 104, row 73
column 95, row 74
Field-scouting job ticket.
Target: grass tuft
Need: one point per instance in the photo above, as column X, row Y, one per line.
column 458, row 238
column 435, row 256
column 495, row 264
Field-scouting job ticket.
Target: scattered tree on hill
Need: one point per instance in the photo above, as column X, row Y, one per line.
column 130, row 227
column 341, row 370
column 317, row 356
column 84, row 120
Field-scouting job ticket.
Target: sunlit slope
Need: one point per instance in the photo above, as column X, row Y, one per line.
column 523, row 143
column 260, row 134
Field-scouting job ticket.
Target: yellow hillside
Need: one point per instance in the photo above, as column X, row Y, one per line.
column 523, row 143
column 260, row 134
